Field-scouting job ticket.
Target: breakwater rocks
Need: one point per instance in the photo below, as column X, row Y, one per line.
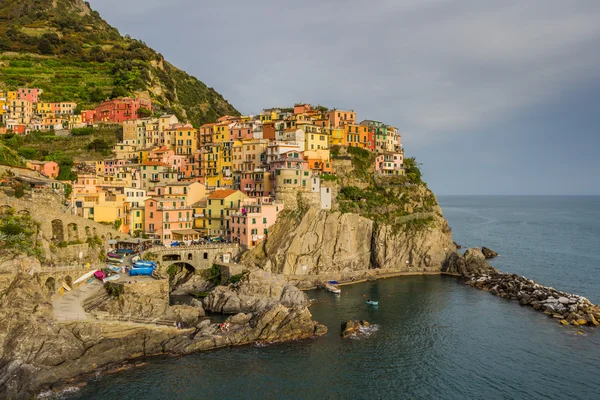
column 569, row 309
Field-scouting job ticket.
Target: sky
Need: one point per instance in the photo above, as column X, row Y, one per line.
column 492, row 97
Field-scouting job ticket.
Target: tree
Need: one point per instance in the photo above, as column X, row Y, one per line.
column 19, row 192
column 413, row 173
column 98, row 145
column 143, row 112
column 95, row 95
column 45, row 47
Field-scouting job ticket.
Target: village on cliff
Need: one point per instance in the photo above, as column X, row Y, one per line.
column 225, row 181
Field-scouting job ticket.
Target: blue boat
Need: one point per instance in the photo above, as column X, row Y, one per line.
column 333, row 282
column 372, row 302
column 144, row 263
column 147, row 271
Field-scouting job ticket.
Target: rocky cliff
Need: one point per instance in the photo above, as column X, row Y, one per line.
column 331, row 242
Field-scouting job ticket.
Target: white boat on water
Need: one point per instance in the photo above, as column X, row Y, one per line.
column 332, row 289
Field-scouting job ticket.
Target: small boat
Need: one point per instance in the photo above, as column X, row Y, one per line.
column 84, row 277
column 113, row 268
column 111, row 278
column 332, row 289
column 372, row 302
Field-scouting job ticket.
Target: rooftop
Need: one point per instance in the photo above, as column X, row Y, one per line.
column 221, row 194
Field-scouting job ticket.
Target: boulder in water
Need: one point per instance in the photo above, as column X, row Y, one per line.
column 352, row 327
column 487, row 253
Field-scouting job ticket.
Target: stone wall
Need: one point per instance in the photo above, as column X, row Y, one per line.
column 59, row 228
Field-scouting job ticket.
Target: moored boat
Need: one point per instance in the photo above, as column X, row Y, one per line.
column 329, row 287
column 372, row 302
column 111, row 278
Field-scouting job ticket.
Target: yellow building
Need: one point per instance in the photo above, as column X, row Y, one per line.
column 185, row 140
column 221, row 132
column 137, row 220
column 316, row 139
column 216, row 164
column 219, row 207
column 43, row 108
column 337, row 136
column 112, row 208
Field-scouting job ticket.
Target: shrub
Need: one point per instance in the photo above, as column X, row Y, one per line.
column 82, row 131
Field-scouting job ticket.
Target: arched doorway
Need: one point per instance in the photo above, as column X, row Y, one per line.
column 72, row 233
column 50, row 284
column 69, row 281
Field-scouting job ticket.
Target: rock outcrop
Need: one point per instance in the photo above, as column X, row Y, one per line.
column 255, row 292
column 326, row 242
column 353, row 328
column 37, row 353
column 471, row 263
column 488, row 253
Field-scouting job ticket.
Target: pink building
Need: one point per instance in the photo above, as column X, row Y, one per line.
column 291, row 159
column 165, row 217
column 31, row 95
column 87, row 116
column 241, row 131
column 109, row 167
column 46, row 168
column 389, row 164
column 250, row 224
column 257, row 183
column 161, row 155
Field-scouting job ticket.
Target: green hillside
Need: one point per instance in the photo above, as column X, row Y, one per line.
column 68, row 50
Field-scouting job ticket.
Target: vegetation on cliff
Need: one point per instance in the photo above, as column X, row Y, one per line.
column 10, row 157
column 392, row 200
column 18, row 235
column 69, row 51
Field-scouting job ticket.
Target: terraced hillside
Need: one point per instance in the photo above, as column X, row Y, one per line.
column 67, row 49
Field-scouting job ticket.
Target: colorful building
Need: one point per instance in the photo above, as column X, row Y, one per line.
column 120, row 110
column 220, row 204
column 251, row 222
column 49, row 169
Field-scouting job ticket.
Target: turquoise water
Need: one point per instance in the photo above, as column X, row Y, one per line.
column 434, row 337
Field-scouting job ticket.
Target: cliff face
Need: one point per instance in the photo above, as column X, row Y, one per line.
column 324, row 242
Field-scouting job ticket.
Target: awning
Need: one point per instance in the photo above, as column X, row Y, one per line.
column 186, row 232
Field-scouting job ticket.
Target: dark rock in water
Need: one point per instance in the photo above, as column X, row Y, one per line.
column 471, row 263
column 487, row 253
column 458, row 246
column 352, row 327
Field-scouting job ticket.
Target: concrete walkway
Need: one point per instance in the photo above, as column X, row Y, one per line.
column 69, row 306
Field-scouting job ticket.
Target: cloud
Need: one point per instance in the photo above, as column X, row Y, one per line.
column 432, row 67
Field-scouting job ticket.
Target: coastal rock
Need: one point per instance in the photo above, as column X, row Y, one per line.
column 471, row 263
column 352, row 327
column 255, row 292
column 188, row 315
column 36, row 352
column 488, row 253
column 330, row 242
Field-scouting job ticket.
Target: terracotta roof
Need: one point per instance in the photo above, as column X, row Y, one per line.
column 221, row 194
column 155, row 163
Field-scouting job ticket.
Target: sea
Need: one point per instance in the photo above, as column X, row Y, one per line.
column 431, row 337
